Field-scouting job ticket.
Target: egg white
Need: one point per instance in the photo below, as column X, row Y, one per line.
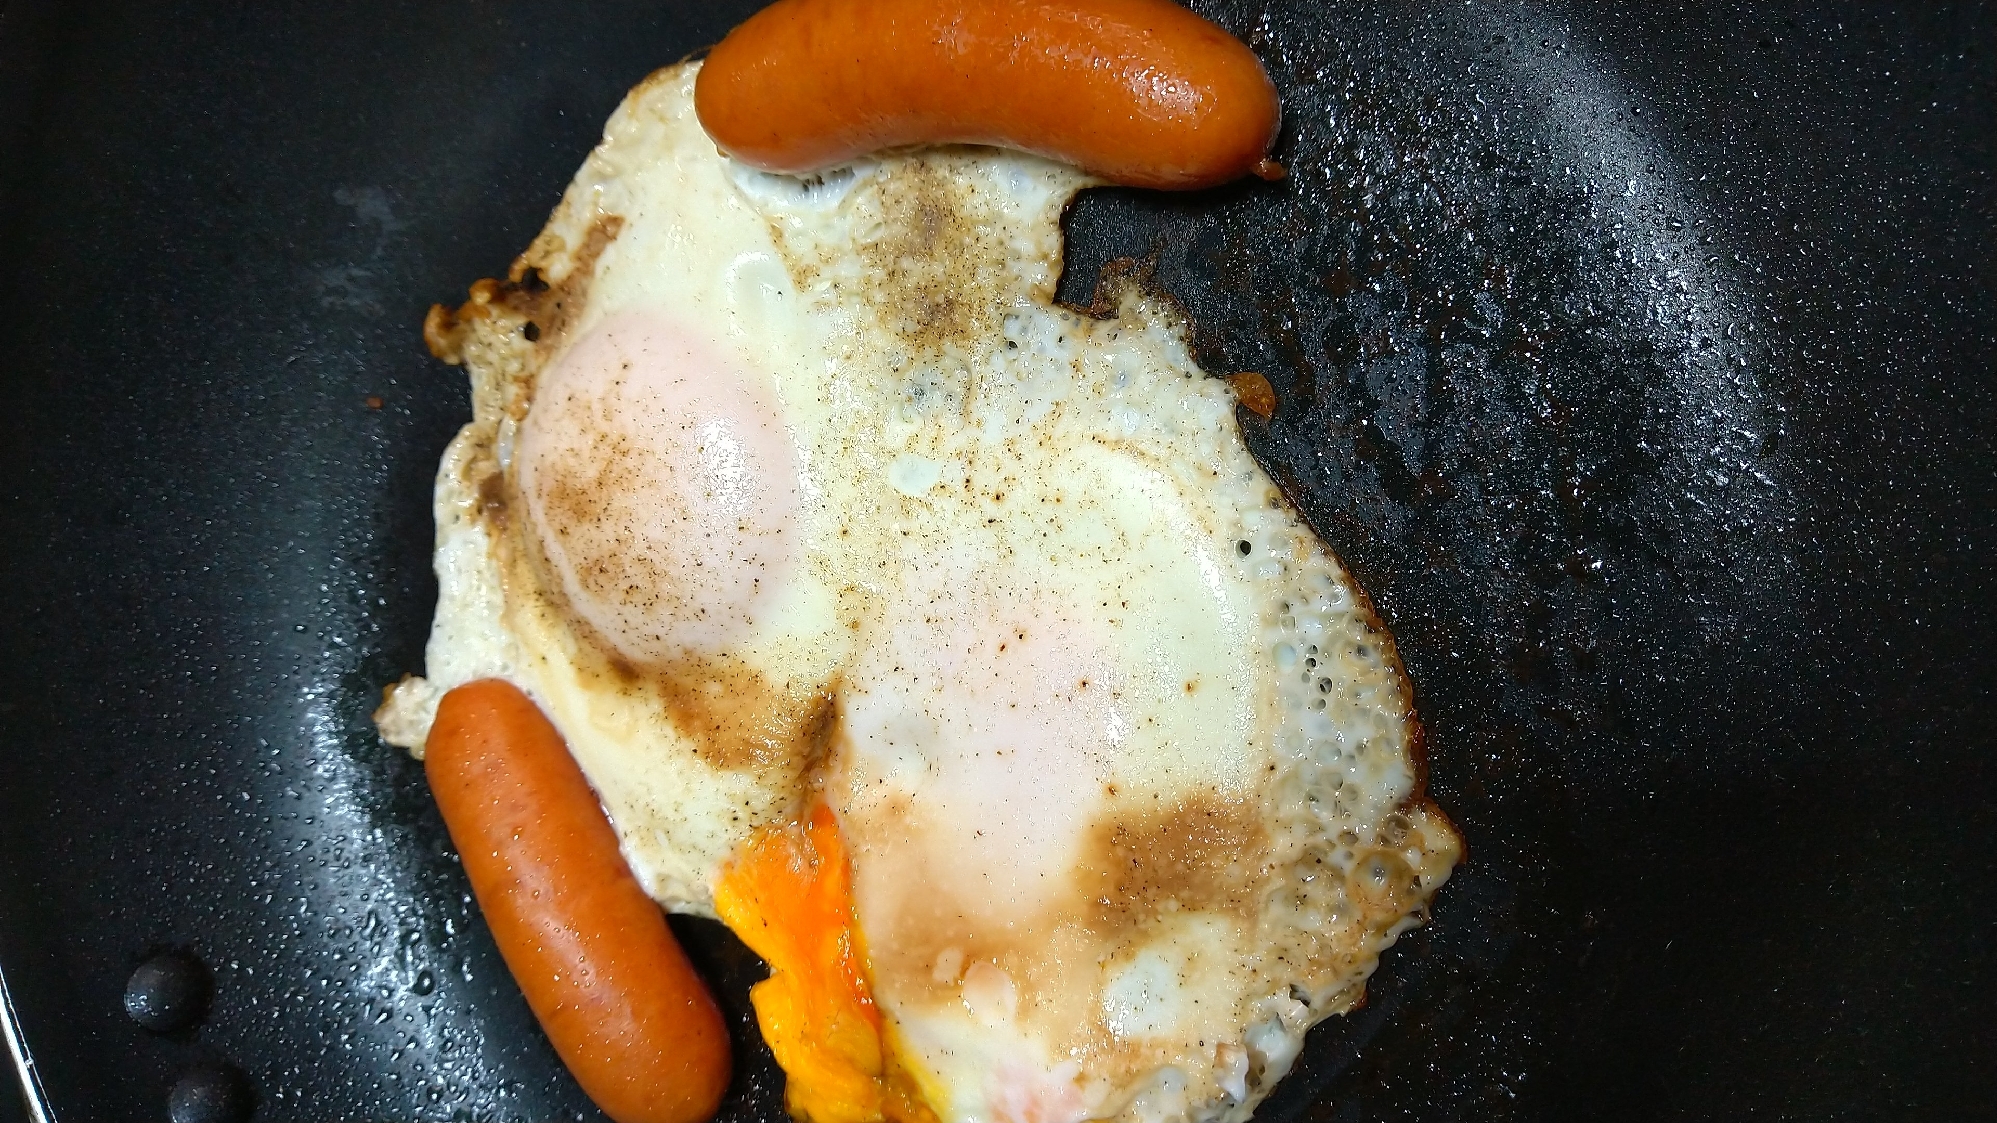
column 1125, row 765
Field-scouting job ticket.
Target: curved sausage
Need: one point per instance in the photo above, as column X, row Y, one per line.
column 1139, row 92
column 592, row 953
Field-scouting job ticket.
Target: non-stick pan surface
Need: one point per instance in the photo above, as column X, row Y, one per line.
column 1638, row 357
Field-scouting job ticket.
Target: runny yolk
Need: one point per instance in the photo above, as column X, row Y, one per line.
column 787, row 892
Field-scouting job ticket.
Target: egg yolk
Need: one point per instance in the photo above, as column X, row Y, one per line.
column 787, row 892
column 662, row 488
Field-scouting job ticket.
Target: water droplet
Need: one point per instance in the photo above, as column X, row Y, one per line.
column 170, row 991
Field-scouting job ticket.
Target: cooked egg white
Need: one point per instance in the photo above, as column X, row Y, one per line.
column 782, row 495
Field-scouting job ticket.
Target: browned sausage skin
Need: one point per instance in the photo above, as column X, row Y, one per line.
column 1138, row 92
column 630, row 1018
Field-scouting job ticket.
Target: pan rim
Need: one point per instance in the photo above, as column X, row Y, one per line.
column 26, row 1076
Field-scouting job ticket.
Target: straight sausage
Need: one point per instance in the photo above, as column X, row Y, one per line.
column 612, row 989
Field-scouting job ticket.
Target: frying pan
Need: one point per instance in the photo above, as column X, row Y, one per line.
column 1637, row 358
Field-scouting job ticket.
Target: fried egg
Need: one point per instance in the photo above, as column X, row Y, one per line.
column 945, row 642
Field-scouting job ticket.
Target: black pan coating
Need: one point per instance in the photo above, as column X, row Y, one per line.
column 1638, row 358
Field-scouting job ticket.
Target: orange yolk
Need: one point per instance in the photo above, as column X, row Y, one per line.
column 787, row 892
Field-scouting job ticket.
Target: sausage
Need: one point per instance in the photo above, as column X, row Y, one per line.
column 591, row 952
column 1138, row 92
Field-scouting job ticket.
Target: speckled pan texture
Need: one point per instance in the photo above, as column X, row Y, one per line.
column 1637, row 360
